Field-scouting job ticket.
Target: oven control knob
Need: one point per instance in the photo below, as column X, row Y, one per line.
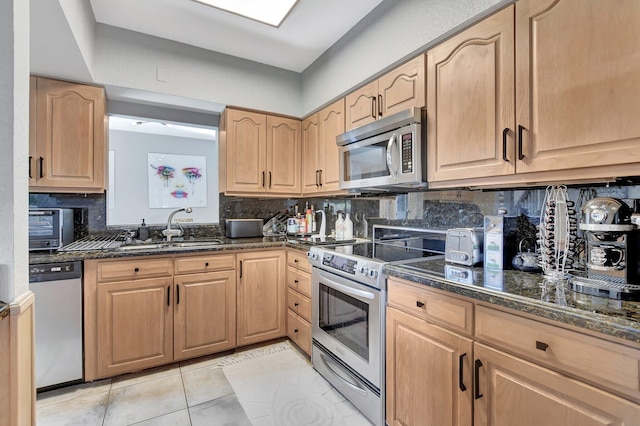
column 373, row 273
column 313, row 256
column 364, row 270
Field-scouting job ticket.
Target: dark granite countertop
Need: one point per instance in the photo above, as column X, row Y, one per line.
column 4, row 309
column 228, row 244
column 529, row 293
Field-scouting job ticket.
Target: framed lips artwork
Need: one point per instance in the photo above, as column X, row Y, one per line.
column 177, row 180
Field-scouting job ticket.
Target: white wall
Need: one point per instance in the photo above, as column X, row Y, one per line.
column 128, row 59
column 83, row 26
column 14, row 145
column 392, row 32
column 131, row 177
column 63, row 57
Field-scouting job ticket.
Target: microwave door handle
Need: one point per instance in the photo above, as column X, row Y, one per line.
column 392, row 140
column 348, row 290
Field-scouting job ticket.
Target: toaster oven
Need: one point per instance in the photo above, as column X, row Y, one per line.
column 50, row 228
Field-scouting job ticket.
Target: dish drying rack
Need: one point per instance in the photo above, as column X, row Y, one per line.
column 276, row 226
column 557, row 233
column 95, row 242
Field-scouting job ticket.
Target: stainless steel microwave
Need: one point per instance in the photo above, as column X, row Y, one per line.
column 50, row 228
column 388, row 154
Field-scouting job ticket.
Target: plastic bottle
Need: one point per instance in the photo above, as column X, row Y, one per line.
column 348, row 228
column 339, row 228
column 309, row 219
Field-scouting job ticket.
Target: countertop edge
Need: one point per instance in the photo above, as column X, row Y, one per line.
column 592, row 321
column 245, row 244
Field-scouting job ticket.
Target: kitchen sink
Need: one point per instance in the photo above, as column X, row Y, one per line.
column 171, row 245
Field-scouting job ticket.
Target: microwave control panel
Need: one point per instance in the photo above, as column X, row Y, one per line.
column 407, row 152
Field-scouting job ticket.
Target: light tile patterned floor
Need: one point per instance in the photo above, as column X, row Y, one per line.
column 269, row 385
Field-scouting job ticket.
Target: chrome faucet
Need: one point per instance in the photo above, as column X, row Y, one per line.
column 169, row 232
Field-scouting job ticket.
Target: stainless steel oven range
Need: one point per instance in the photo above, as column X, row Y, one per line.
column 348, row 310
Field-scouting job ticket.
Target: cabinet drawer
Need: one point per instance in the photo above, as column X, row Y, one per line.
column 299, row 304
column 603, row 363
column 299, row 331
column 298, row 280
column 208, row 263
column 431, row 305
column 298, row 259
column 135, row 268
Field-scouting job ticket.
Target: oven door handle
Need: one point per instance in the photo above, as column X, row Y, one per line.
column 348, row 290
column 337, row 369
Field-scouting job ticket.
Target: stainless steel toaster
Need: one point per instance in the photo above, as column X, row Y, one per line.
column 464, row 246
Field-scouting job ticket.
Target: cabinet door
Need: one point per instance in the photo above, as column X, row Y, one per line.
column 135, row 325
column 331, row 122
column 361, row 106
column 261, row 296
column 246, row 151
column 310, row 155
column 577, row 90
column 205, row 314
column 402, row 88
column 470, row 99
column 69, row 137
column 512, row 391
column 299, row 331
column 428, row 373
column 283, row 155
column 33, row 87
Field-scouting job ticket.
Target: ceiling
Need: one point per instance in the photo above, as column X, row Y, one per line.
column 310, row 29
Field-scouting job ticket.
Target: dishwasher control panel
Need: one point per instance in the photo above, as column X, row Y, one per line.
column 55, row 271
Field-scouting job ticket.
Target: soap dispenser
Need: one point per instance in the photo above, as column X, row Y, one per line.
column 143, row 231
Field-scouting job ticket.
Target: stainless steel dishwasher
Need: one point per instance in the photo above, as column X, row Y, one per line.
column 58, row 323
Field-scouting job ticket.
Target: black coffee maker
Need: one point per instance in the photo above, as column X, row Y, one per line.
column 612, row 241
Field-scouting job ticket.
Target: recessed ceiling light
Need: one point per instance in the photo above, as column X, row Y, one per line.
column 271, row 12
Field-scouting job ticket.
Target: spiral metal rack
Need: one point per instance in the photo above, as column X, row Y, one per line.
column 557, row 233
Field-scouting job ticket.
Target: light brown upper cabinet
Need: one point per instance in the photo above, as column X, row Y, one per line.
column 571, row 114
column 320, row 174
column 470, row 101
column 67, row 140
column 577, row 84
column 400, row 89
column 262, row 154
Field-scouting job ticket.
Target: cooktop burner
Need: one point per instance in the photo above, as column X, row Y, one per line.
column 364, row 261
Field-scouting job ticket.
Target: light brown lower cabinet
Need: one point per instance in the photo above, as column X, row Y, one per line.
column 138, row 314
column 134, row 325
column 299, row 299
column 512, row 391
column 261, row 296
column 205, row 314
column 510, row 370
column 429, row 376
